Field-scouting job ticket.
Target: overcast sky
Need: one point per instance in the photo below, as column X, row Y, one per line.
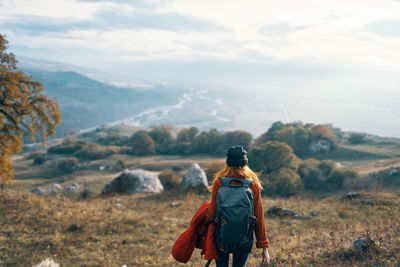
column 344, row 53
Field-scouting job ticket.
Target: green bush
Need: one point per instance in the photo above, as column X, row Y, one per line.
column 271, row 157
column 327, row 167
column 67, row 165
column 285, row 182
column 338, row 178
column 297, row 135
column 94, row 151
column 68, row 146
column 312, row 178
column 38, row 158
column 169, row 179
column 142, row 143
column 121, row 164
column 113, row 140
column 235, row 138
column 162, row 136
column 356, row 138
column 314, row 173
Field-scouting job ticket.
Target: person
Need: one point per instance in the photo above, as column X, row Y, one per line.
column 236, row 167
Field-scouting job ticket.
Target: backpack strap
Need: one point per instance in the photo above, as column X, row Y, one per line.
column 226, row 181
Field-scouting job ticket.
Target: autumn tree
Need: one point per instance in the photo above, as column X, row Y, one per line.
column 272, row 156
column 24, row 110
column 142, row 143
column 163, row 139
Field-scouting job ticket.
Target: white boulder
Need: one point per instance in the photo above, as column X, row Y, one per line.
column 194, row 177
column 134, row 181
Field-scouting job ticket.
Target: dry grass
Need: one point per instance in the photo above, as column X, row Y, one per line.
column 141, row 229
column 28, row 175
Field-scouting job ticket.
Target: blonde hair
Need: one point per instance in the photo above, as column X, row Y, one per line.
column 236, row 172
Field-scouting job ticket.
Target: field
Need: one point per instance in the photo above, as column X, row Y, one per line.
column 141, row 229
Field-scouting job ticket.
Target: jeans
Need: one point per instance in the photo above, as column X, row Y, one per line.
column 239, row 260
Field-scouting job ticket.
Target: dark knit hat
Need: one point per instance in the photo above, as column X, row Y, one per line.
column 236, row 156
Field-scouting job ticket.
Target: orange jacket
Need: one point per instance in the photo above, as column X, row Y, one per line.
column 195, row 236
column 260, row 229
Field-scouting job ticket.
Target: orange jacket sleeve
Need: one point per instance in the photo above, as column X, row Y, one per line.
column 212, row 209
column 260, row 229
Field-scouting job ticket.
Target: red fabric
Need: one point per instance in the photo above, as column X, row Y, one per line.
column 194, row 237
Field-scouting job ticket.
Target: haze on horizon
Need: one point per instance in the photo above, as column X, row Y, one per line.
column 331, row 61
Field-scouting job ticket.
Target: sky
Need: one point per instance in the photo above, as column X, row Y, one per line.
column 332, row 61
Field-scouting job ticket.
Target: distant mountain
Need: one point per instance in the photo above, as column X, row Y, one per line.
column 86, row 103
column 89, row 98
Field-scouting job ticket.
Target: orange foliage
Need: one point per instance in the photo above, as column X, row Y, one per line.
column 23, row 110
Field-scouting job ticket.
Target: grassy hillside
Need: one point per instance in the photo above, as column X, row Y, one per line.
column 141, row 229
column 86, row 103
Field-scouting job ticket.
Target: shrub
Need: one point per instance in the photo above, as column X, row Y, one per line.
column 327, row 167
column 85, row 194
column 356, row 138
column 312, row 178
column 234, row 138
column 272, row 156
column 142, row 143
column 298, row 136
column 338, row 177
column 68, row 146
column 169, row 179
column 112, row 139
column 121, row 164
column 93, row 151
column 214, row 168
column 163, row 139
column 314, row 173
column 38, row 158
column 67, row 165
column 285, row 182
column 178, row 168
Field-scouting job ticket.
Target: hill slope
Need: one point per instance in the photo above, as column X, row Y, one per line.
column 86, row 103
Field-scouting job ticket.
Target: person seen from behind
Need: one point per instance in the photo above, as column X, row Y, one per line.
column 236, row 211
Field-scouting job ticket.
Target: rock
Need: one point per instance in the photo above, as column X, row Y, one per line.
column 47, row 263
column 392, row 171
column 72, row 187
column 74, row 228
column 314, row 214
column 281, row 212
column 134, row 181
column 56, row 188
column 118, row 205
column 302, row 216
column 38, row 191
column 363, row 243
column 320, row 145
column 367, row 202
column 102, row 168
column 350, row 196
column 85, row 194
column 175, row 204
column 194, row 177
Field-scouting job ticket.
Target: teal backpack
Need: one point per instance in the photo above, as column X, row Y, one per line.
column 234, row 220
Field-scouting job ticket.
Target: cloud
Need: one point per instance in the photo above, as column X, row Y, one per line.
column 281, row 29
column 137, row 3
column 162, row 21
column 107, row 19
column 384, row 27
